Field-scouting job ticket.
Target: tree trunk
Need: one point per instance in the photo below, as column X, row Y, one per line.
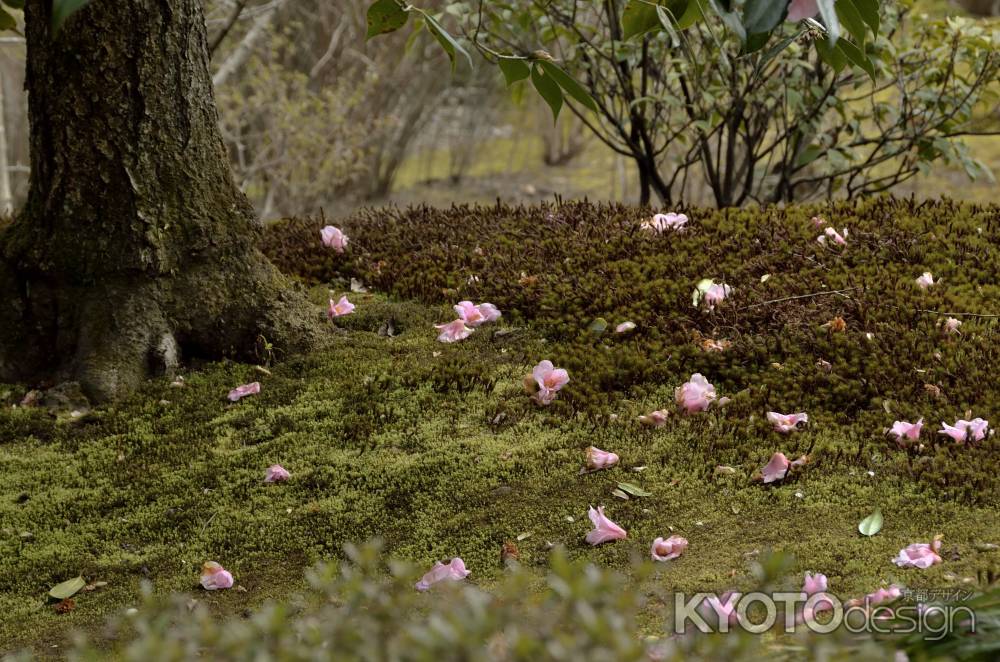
column 135, row 245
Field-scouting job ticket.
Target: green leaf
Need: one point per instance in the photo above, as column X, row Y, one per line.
column 872, row 524
column 730, row 18
column 775, row 50
column 549, row 90
column 63, row 9
column 762, row 16
column 693, row 13
column 568, row 84
column 856, row 56
column 16, row 4
column 638, row 18
column 851, row 19
column 833, row 57
column 598, row 326
column 634, row 490
column 828, row 12
column 385, row 16
column 513, row 70
column 67, row 589
column 7, row 22
column 808, row 155
column 448, row 43
column 869, row 12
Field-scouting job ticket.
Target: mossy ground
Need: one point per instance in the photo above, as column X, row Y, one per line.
column 436, row 449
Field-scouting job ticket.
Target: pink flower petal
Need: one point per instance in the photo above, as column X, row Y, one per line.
column 452, row 572
column 598, row 459
column 333, row 238
column 695, row 395
column 276, row 474
column 800, row 10
column 342, row 307
column 786, row 423
column 604, row 529
column 215, row 577
column 671, row 548
column 776, row 469
column 253, row 388
column 453, row 331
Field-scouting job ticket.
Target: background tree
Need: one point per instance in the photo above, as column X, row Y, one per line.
column 135, row 246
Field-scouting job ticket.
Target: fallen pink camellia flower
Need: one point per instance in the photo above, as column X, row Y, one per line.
column 716, row 293
column 550, row 381
column 215, row 577
column 453, row 331
column 624, row 327
column 799, row 10
column 962, row 431
column 656, row 419
column 474, row 315
column 925, row 280
column 669, row 221
column 695, row 395
column 671, row 548
column 452, row 572
column 276, row 474
column 778, row 466
column 951, row 325
column 253, row 388
column 598, row 459
column 342, row 307
column 905, row 430
column 604, row 529
column 814, row 583
column 839, row 239
column 919, row 555
column 875, row 598
column 818, row 222
column 786, row 423
column 333, row 238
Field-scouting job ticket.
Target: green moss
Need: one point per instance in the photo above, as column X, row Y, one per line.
column 437, row 449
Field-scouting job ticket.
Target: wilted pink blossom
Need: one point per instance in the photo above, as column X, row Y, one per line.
column 215, row 577
column 951, row 325
column 919, row 555
column 776, row 469
column 876, row 598
column 550, row 380
column 814, row 585
column 474, row 315
column 342, row 307
column 904, row 430
column 604, row 529
column 818, row 222
column 671, row 548
column 716, row 293
column 598, row 459
column 962, row 431
column 253, row 388
column 800, row 10
column 833, row 235
column 925, row 280
column 453, row 331
column 786, row 422
column 276, row 474
column 452, row 572
column 662, row 222
column 624, row 327
column 333, row 238
column 657, row 418
column 695, row 395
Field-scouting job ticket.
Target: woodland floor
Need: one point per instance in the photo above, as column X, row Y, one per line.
column 148, row 489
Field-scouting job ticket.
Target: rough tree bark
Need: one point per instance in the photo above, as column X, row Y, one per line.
column 135, row 246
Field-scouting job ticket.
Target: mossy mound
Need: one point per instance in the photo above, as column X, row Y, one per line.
column 560, row 267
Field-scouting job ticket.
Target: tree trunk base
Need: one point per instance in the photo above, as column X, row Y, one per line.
column 113, row 335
